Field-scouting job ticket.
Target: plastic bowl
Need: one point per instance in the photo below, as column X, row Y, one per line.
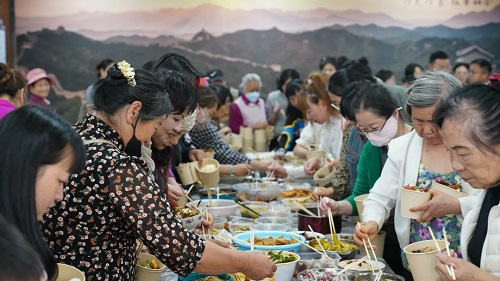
column 271, row 227
column 196, row 276
column 251, row 193
column 314, row 260
column 257, row 206
column 239, row 227
column 245, row 236
column 219, row 223
column 278, row 220
column 220, row 208
column 322, row 274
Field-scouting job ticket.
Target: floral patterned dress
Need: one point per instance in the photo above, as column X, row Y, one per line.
column 108, row 206
column 419, row 231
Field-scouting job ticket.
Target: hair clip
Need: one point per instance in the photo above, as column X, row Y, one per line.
column 127, row 71
column 188, row 122
column 309, row 81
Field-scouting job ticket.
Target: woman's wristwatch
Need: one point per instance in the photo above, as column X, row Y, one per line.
column 230, row 170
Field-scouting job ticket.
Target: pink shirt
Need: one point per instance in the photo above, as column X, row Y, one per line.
column 245, row 113
column 5, row 108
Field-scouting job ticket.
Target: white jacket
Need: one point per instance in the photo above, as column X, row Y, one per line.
column 400, row 169
column 490, row 256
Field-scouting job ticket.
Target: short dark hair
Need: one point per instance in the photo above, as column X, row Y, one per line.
column 482, row 102
column 483, row 64
column 374, row 98
column 11, row 81
column 438, row 55
column 286, row 74
column 293, row 88
column 114, row 92
column 18, row 261
column 103, row 65
column 384, row 74
column 350, row 94
column 35, row 137
column 223, row 94
column 177, row 62
column 206, row 97
column 409, row 70
column 327, row 60
column 338, row 82
column 466, row 65
column 182, row 94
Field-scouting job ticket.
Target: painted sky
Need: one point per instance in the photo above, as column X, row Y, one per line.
column 409, row 10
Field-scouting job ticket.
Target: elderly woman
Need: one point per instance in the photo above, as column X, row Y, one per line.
column 249, row 110
column 113, row 201
column 418, row 157
column 474, row 146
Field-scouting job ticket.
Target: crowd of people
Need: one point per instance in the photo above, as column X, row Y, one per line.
column 84, row 194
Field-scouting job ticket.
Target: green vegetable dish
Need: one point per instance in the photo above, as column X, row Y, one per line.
column 280, row 257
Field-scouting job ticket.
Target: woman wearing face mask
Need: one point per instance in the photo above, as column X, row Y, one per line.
column 40, row 151
column 204, row 135
column 417, row 158
column 249, row 110
column 113, row 201
column 322, row 110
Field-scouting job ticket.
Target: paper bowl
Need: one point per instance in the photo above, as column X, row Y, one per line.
column 208, row 179
column 359, row 203
column 323, row 176
column 68, row 272
column 285, row 270
column 379, row 241
column 148, row 274
column 209, row 155
column 257, row 206
column 187, row 173
column 314, row 154
column 447, row 190
column 422, row 264
column 220, row 208
column 410, row 199
column 245, row 236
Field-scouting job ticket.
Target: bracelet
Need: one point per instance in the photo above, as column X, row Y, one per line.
column 230, row 170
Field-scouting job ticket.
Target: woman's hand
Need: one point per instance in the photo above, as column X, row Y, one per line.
column 224, row 131
column 279, row 171
column 196, row 155
column 312, row 165
column 327, row 203
column 175, row 193
column 241, row 169
column 259, row 266
column 440, row 205
column 207, row 221
column 463, row 270
column 321, row 192
column 365, row 230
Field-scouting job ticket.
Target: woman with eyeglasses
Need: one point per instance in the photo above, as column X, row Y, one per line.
column 417, row 158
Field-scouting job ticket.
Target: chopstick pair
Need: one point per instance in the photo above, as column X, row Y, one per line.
column 317, row 240
column 379, row 273
column 333, row 232
column 449, row 268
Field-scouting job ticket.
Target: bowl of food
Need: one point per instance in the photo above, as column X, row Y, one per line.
column 208, row 172
column 68, row 272
column 422, row 258
column 241, row 277
column 270, row 240
column 190, row 217
column 347, row 250
column 323, row 176
column 326, row 274
column 219, row 207
column 453, row 190
column 312, row 260
column 194, row 276
column 356, row 265
column 257, row 206
column 308, row 235
column 219, row 223
column 257, row 193
column 412, row 196
column 297, row 193
column 225, row 190
column 286, row 263
column 291, row 203
column 239, row 226
column 271, row 227
column 149, row 268
column 280, row 220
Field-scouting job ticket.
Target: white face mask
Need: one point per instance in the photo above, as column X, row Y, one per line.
column 252, row 96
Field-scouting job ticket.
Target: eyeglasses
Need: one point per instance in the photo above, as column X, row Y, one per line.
column 375, row 131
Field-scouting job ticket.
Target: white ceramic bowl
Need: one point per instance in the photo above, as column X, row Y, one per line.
column 192, row 222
